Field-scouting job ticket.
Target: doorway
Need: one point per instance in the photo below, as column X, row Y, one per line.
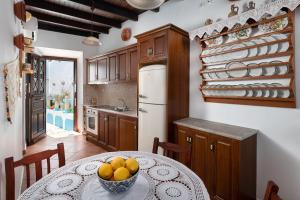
column 51, row 98
column 61, row 96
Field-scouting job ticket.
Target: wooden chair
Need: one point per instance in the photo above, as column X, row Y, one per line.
column 37, row 159
column 272, row 192
column 170, row 149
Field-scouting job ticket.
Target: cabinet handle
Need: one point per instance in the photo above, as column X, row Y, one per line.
column 149, row 51
column 105, row 119
column 189, row 139
column 134, row 127
column 212, row 147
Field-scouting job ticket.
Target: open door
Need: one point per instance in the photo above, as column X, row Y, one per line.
column 36, row 100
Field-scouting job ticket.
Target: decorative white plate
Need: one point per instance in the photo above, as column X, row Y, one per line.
column 273, row 48
column 275, row 25
column 282, row 69
column 283, row 46
column 255, row 71
column 213, row 75
column 206, row 76
column 222, row 75
column 239, row 54
column 262, row 50
column 214, row 41
column 253, row 51
column 269, row 71
column 284, row 93
column 237, row 73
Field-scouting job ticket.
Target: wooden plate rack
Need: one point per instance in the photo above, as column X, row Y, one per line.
column 207, row 68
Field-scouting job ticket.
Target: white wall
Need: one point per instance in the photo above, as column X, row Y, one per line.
column 279, row 140
column 11, row 135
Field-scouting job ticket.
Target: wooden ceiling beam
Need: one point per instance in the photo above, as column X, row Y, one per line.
column 68, row 22
column 42, row 4
column 114, row 9
column 61, row 29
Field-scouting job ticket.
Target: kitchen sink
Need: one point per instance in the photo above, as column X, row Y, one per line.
column 114, row 108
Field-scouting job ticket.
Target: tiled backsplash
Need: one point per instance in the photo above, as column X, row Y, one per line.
column 109, row 94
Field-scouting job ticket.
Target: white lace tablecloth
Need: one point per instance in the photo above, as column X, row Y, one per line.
column 159, row 178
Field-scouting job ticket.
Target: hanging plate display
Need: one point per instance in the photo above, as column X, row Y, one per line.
column 237, row 73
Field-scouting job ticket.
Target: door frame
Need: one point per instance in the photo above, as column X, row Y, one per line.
column 75, row 76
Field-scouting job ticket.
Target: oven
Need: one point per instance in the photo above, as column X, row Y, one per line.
column 92, row 121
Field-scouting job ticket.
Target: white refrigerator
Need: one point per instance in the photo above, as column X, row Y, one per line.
column 152, row 109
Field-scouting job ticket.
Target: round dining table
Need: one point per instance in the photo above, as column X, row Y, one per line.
column 159, row 178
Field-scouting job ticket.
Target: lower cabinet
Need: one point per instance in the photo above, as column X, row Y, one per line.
column 127, row 131
column 226, row 166
column 115, row 132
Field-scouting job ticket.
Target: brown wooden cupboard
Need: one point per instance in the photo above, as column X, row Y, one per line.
column 117, row 66
column 127, row 131
column 227, row 166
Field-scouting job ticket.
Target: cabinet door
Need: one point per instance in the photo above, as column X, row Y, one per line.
column 101, row 128
column 199, row 154
column 160, row 45
column 132, row 66
column 92, row 71
column 103, row 70
column 221, row 161
column 146, row 50
column 111, row 131
column 112, row 60
column 121, row 67
column 127, row 128
column 183, row 139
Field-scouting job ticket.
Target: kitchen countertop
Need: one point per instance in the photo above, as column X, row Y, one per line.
column 226, row 130
column 129, row 113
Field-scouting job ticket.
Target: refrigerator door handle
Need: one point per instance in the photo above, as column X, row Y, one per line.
column 142, row 110
column 142, row 96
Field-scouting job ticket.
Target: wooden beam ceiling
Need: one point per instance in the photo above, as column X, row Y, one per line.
column 69, row 22
column 72, row 12
column 63, row 29
column 104, row 6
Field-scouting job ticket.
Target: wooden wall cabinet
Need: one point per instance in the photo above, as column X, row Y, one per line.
column 127, row 131
column 153, row 47
column 227, row 166
column 120, row 65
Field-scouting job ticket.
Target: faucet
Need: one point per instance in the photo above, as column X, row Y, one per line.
column 124, row 106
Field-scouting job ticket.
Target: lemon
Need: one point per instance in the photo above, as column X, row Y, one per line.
column 105, row 171
column 117, row 163
column 132, row 165
column 121, row 174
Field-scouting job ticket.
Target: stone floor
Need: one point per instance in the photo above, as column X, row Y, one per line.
column 76, row 147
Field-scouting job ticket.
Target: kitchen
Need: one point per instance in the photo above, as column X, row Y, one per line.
column 155, row 77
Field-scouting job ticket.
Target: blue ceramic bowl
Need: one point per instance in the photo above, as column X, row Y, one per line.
column 117, row 187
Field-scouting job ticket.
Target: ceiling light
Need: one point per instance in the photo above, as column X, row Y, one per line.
column 91, row 41
column 145, row 4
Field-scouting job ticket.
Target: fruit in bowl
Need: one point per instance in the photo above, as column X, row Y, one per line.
column 119, row 175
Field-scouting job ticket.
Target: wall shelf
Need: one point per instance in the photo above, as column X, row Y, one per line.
column 212, row 88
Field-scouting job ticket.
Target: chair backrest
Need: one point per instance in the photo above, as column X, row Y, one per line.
column 170, row 149
column 272, row 192
column 37, row 159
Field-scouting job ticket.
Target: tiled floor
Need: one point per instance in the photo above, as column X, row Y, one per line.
column 76, row 147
